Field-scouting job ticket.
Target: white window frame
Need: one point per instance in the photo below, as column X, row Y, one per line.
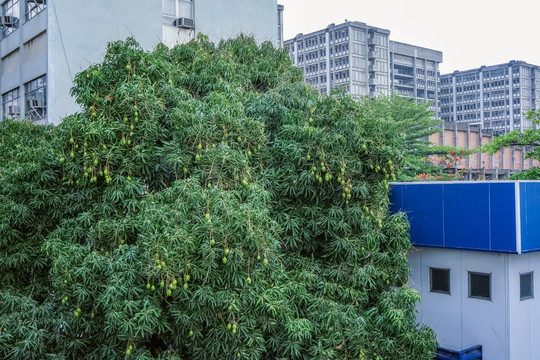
column 34, row 91
column 10, row 8
column 11, row 98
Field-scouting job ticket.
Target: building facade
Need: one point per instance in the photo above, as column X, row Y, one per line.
column 363, row 61
column 352, row 56
column 494, row 97
column 415, row 72
column 44, row 43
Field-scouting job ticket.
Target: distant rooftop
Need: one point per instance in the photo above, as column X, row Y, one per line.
column 491, row 67
column 333, row 26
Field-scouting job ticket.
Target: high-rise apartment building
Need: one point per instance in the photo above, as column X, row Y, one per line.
column 340, row 57
column 44, row 43
column 362, row 60
column 494, row 97
column 415, row 72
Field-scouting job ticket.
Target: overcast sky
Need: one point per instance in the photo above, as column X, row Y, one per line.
column 470, row 33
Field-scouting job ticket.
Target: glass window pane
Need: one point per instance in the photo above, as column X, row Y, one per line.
column 439, row 280
column 184, row 8
column 480, row 285
column 526, row 286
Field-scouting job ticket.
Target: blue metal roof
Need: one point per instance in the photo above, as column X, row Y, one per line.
column 500, row 216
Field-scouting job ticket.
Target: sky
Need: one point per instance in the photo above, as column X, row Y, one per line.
column 470, row 33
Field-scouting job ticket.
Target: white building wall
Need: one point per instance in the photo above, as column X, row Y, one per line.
column 78, row 33
column 524, row 319
column 459, row 321
column 222, row 19
column 173, row 35
column 439, row 311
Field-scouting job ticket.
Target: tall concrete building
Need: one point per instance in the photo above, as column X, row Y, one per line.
column 494, row 97
column 362, row 60
column 44, row 43
column 352, row 56
column 415, row 72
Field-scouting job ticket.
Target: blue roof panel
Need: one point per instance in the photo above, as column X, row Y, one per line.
column 472, row 215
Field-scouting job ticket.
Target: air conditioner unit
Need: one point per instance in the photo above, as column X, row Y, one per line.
column 13, row 110
column 8, row 21
column 34, row 103
column 185, row 23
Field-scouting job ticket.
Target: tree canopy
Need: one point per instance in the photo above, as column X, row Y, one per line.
column 205, row 203
column 529, row 139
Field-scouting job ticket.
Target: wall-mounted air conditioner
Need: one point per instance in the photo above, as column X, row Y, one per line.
column 34, row 104
column 13, row 110
column 8, row 21
column 185, row 23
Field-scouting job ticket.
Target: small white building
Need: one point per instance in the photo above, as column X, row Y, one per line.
column 476, row 253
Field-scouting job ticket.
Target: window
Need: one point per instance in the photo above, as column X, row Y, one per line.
column 173, row 9
column 526, row 286
column 34, row 7
column 439, row 280
column 10, row 8
column 10, row 104
column 36, row 98
column 480, row 285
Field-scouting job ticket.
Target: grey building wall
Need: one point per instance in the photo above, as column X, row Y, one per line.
column 222, row 19
column 78, row 32
column 67, row 36
column 494, row 97
column 23, row 54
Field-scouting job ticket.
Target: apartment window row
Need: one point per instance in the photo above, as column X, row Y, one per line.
column 35, row 97
column 311, row 56
column 341, row 76
column 10, row 11
column 311, row 69
column 340, row 35
column 342, row 61
column 479, row 284
column 311, row 42
column 339, row 49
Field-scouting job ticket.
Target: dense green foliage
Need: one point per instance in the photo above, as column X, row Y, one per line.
column 528, row 139
column 414, row 122
column 204, row 204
